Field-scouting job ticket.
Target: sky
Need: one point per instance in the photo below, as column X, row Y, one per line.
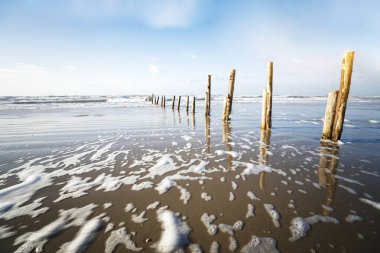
column 168, row 47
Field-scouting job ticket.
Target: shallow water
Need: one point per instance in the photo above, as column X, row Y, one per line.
column 120, row 166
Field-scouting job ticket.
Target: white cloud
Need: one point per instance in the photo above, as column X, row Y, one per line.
column 154, row 69
column 23, row 69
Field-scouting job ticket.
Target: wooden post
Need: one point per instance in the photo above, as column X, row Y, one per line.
column 264, row 110
column 228, row 106
column 173, row 101
column 179, row 103
column 329, row 115
column 152, row 99
column 193, row 104
column 344, row 90
column 164, row 103
column 208, row 103
column 268, row 117
column 187, row 104
column 158, row 100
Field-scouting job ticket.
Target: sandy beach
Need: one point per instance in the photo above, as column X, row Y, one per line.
column 122, row 177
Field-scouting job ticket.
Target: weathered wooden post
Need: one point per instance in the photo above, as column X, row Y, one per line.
column 228, row 105
column 208, row 96
column 193, row 104
column 187, row 104
column 344, row 90
column 158, row 100
column 206, row 105
column 164, row 103
column 328, row 123
column 173, row 101
column 179, row 103
column 337, row 102
column 152, row 99
column 266, row 113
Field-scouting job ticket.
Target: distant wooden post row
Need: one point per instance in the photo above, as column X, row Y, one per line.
column 335, row 108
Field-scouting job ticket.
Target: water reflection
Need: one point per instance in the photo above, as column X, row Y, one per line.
column 208, row 134
column 228, row 141
column 328, row 164
column 263, row 156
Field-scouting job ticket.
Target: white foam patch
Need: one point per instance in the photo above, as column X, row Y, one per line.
column 6, row 232
column 353, row 218
column 214, row 248
column 142, row 186
column 84, row 237
column 163, row 166
column 107, row 205
column 129, row 207
column 120, row 236
column 186, row 137
column 154, row 205
column 292, row 148
column 233, row 244
column 195, row 248
column 165, row 185
column 252, row 169
column 206, row 196
column 9, row 211
column 174, row 234
column 232, row 197
column 371, row 203
column 139, row 218
column 230, row 230
column 185, row 194
column 260, row 244
column 252, row 196
column 207, row 221
column 67, row 218
column 250, row 211
column 234, row 185
column 275, row 215
column 300, row 226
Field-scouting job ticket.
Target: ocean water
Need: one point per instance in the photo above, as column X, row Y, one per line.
column 99, row 173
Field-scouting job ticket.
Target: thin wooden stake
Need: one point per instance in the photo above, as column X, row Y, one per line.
column 193, row 104
column 187, row 104
column 164, row 104
column 208, row 104
column 344, row 90
column 268, row 118
column 329, row 115
column 179, row 103
column 173, row 101
column 228, row 107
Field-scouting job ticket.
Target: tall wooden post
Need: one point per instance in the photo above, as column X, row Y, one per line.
column 173, row 101
column 193, row 104
column 179, row 103
column 206, row 105
column 344, row 90
column 268, row 120
column 329, row 115
column 187, row 104
column 226, row 115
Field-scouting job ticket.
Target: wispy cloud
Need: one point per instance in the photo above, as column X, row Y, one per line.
column 23, row 69
column 154, row 69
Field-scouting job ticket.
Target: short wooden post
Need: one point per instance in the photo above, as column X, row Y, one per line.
column 152, row 99
column 158, row 100
column 226, row 115
column 173, row 101
column 187, row 104
column 329, row 115
column 164, row 103
column 268, row 117
column 344, row 90
column 179, row 103
column 193, row 104
column 264, row 110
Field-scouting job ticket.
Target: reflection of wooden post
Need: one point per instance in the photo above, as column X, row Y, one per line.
column 187, row 104
column 328, row 164
column 329, row 115
column 228, row 109
column 227, row 140
column 225, row 109
column 193, row 104
column 193, row 122
column 179, row 103
column 207, row 134
column 264, row 110
column 263, row 158
column 173, row 101
column 344, row 90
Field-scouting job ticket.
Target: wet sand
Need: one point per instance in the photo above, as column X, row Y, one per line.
column 287, row 168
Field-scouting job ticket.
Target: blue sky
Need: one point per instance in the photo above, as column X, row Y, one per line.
column 107, row 47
